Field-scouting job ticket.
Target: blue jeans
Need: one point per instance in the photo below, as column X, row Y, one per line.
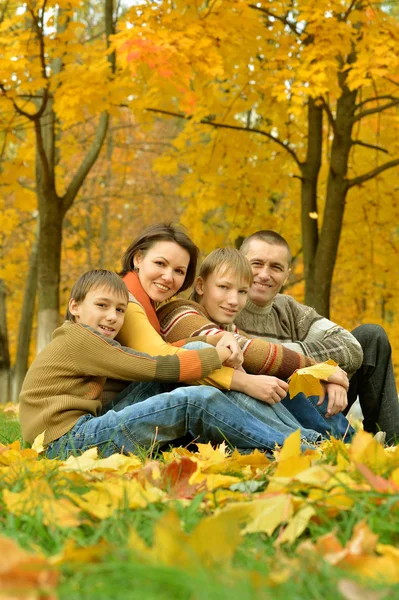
column 310, row 415
column 204, row 412
column 276, row 415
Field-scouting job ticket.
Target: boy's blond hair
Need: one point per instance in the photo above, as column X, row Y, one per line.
column 223, row 260
column 95, row 279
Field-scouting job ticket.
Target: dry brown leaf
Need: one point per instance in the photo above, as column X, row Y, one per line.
column 351, row 590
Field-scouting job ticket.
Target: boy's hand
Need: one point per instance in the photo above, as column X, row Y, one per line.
column 266, row 388
column 236, row 357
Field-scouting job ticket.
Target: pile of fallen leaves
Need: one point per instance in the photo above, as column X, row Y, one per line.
column 288, row 499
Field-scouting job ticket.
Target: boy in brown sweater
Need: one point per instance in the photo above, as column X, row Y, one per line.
column 61, row 394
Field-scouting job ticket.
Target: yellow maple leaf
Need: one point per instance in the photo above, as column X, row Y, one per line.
column 297, row 524
column 307, row 380
column 291, row 447
column 276, row 509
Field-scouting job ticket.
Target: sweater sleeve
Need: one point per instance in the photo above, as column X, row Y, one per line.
column 138, row 333
column 326, row 340
column 260, row 357
column 99, row 357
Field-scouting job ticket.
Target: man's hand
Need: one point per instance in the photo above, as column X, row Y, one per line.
column 339, row 377
column 236, row 358
column 265, row 388
column 337, row 398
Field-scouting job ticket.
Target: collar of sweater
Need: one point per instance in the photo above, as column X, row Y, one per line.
column 256, row 309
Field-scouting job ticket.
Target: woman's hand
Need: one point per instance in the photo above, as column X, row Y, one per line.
column 339, row 377
column 236, row 358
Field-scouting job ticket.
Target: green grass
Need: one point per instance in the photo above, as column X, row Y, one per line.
column 9, row 429
column 122, row 574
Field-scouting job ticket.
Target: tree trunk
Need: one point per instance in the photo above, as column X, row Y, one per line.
column 4, row 352
column 25, row 325
column 337, row 189
column 50, row 228
column 310, row 173
column 53, row 208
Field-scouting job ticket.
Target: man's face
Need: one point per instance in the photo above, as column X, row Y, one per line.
column 270, row 266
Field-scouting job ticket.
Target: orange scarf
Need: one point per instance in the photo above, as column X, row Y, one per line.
column 136, row 289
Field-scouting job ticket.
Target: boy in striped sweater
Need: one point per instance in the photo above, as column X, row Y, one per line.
column 220, row 294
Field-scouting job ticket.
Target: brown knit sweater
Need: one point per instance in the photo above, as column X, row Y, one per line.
column 184, row 318
column 65, row 381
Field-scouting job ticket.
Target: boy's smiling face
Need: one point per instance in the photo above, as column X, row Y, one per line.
column 102, row 309
column 223, row 295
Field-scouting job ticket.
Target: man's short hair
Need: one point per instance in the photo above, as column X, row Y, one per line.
column 223, row 260
column 97, row 278
column 270, row 237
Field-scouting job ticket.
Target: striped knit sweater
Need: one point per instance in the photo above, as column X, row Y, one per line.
column 66, row 380
column 302, row 329
column 184, row 318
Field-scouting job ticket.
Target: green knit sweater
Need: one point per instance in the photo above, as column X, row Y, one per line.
column 301, row 328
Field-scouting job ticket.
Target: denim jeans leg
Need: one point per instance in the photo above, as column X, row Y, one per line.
column 203, row 411
column 137, row 391
column 312, row 416
column 276, row 416
column 375, row 384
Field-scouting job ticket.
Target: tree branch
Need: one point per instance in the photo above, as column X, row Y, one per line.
column 87, row 163
column 377, row 109
column 234, row 127
column 42, row 156
column 374, row 99
column 348, row 12
column 372, row 173
column 102, row 127
column 330, row 116
column 283, row 20
column 372, row 146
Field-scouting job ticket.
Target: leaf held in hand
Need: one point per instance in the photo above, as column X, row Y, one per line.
column 307, row 380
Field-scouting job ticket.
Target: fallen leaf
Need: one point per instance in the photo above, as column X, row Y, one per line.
column 351, row 590
column 276, row 510
column 25, row 575
column 297, row 525
column 38, row 443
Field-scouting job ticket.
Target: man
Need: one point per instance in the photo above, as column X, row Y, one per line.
column 365, row 353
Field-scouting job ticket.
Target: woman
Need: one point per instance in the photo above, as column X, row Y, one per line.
column 219, row 295
column 157, row 265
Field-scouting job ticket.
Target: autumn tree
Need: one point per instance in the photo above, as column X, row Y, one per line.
column 273, row 94
column 53, row 79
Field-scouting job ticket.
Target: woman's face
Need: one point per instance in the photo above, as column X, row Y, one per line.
column 162, row 269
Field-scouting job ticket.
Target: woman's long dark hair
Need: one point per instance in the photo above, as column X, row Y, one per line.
column 162, row 232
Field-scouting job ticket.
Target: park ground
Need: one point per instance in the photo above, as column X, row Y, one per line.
column 207, row 524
